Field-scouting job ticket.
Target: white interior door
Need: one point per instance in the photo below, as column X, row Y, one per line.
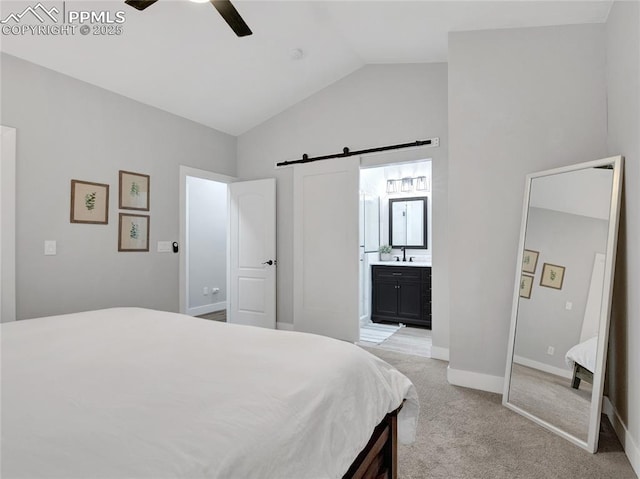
column 326, row 247
column 7, row 224
column 252, row 253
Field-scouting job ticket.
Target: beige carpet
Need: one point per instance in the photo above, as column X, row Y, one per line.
column 552, row 399
column 468, row 434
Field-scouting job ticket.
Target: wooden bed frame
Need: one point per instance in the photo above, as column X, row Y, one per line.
column 580, row 373
column 379, row 458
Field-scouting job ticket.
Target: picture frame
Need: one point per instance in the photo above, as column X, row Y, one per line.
column 134, row 191
column 133, row 232
column 529, row 261
column 552, row 276
column 89, row 202
column 526, row 285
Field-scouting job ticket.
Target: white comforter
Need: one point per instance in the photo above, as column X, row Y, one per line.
column 584, row 354
column 134, row 393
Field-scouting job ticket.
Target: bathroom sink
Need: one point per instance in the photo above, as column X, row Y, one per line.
column 401, row 263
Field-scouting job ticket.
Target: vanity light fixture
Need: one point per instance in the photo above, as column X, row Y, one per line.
column 407, row 185
column 422, row 183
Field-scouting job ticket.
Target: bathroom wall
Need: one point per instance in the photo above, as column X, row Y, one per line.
column 373, row 181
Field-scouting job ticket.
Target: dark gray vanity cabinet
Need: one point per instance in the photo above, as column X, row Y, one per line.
column 401, row 294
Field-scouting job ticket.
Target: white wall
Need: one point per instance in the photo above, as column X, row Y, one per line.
column 375, row 106
column 68, row 129
column 7, row 224
column 520, row 100
column 623, row 80
column 207, row 238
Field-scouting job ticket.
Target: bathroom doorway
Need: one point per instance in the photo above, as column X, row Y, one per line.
column 406, row 330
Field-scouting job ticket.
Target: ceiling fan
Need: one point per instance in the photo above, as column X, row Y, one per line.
column 224, row 7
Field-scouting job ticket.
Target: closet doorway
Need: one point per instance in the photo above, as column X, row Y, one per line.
column 228, row 248
column 203, row 239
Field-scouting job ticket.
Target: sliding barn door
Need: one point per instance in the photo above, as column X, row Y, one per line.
column 252, row 253
column 326, row 248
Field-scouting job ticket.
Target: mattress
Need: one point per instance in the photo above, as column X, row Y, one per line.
column 136, row 393
column 584, row 354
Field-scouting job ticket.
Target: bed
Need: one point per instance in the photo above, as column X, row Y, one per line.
column 582, row 358
column 136, row 393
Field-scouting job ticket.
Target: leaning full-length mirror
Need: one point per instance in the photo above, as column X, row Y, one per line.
column 562, row 298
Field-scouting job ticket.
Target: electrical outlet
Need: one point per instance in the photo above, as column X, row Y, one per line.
column 205, row 291
column 568, row 306
column 551, row 350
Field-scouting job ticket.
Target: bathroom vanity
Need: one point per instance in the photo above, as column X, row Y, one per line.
column 401, row 293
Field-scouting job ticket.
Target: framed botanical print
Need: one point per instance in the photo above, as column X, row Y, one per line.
column 133, row 232
column 89, row 202
column 529, row 261
column 552, row 276
column 526, row 284
column 134, row 191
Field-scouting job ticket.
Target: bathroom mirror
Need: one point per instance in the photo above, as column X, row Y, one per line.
column 408, row 222
column 562, row 298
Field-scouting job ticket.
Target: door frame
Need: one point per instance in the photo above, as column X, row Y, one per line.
column 188, row 171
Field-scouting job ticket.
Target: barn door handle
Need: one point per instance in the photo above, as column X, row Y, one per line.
column 270, row 262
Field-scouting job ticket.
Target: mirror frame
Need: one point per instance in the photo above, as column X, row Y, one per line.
column 424, row 221
column 591, row 444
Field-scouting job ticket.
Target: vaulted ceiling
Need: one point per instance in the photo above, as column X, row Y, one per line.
column 182, row 57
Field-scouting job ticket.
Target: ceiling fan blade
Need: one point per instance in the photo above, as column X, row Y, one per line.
column 140, row 4
column 232, row 17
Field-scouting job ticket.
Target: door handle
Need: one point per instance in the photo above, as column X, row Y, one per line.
column 270, row 262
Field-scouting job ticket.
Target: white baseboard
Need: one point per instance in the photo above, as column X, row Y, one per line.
column 530, row 363
column 207, row 308
column 629, row 446
column 284, row 326
column 440, row 353
column 469, row 379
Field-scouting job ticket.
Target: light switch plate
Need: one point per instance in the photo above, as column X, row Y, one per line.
column 50, row 248
column 164, row 247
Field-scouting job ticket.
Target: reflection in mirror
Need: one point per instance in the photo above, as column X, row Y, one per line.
column 559, row 330
column 408, row 222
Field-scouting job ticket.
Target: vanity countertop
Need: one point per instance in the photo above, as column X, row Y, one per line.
column 401, row 263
